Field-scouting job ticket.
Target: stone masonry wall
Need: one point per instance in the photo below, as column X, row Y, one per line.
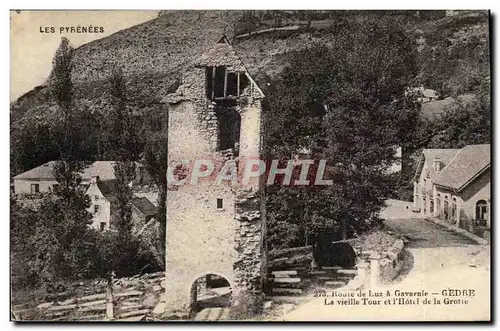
column 202, row 238
column 249, row 265
column 391, row 262
column 199, row 239
column 249, row 253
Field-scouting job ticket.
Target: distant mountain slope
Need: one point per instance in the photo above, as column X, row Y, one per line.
column 154, row 54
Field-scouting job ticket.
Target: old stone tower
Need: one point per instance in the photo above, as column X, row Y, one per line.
column 215, row 228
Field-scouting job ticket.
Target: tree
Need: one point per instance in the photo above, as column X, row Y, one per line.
column 349, row 108
column 156, row 164
column 120, row 142
column 156, row 158
column 119, row 136
column 463, row 123
column 64, row 216
column 32, row 144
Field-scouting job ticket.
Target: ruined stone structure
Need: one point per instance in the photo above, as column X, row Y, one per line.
column 215, row 114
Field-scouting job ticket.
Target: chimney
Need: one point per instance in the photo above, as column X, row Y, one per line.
column 94, row 179
column 437, row 165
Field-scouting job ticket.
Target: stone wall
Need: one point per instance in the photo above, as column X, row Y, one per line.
column 203, row 238
column 391, row 262
column 200, row 239
column 250, row 254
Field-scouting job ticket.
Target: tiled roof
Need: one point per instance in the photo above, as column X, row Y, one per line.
column 465, row 165
column 45, row 171
column 445, row 155
column 103, row 169
column 144, row 205
column 107, row 188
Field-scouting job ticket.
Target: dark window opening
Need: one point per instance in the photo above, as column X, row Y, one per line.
column 102, row 226
column 97, row 208
column 222, row 84
column 229, row 128
column 35, row 188
column 481, row 210
column 244, row 82
column 219, row 204
column 232, row 84
column 210, row 72
column 446, row 211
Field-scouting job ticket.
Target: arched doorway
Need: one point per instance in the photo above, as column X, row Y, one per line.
column 446, row 211
column 327, row 253
column 209, row 291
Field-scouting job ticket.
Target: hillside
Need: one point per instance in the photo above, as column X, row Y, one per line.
column 154, row 54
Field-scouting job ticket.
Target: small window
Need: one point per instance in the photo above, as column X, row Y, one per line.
column 97, row 208
column 102, row 226
column 219, row 204
column 481, row 210
column 96, row 197
column 35, row 188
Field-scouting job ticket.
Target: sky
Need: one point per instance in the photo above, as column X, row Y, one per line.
column 32, row 48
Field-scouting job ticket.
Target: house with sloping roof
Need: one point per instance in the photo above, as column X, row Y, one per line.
column 429, row 165
column 423, row 94
column 103, row 203
column 458, row 193
column 104, row 206
column 462, row 189
column 42, row 180
column 142, row 212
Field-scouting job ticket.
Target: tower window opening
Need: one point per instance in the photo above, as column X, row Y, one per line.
column 229, row 121
column 222, row 84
